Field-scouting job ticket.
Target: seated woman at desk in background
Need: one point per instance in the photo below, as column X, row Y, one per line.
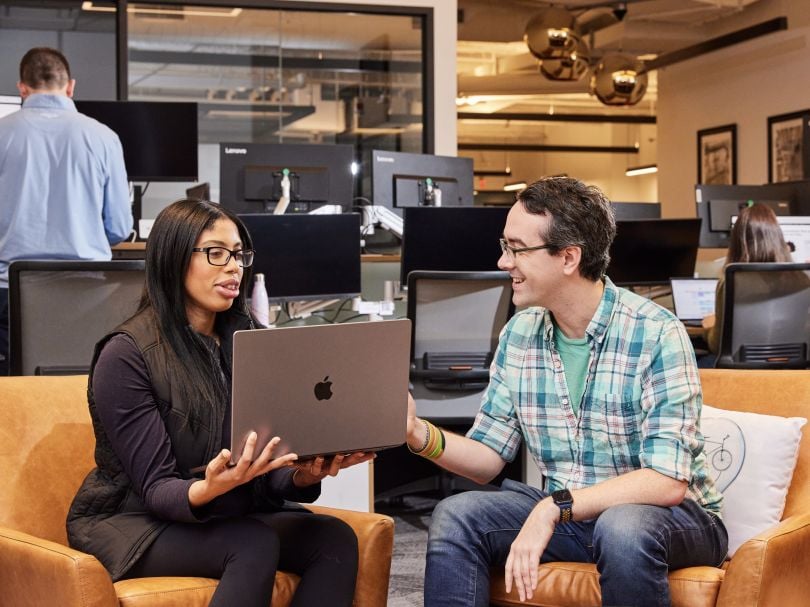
column 755, row 238
column 159, row 396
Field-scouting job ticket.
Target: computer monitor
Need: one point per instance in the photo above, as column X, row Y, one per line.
column 58, row 310
column 462, row 239
column 9, row 104
column 307, row 256
column 717, row 204
column 159, row 137
column 796, row 231
column 401, row 180
column 636, row 210
column 651, row 251
column 251, row 176
column 201, row 191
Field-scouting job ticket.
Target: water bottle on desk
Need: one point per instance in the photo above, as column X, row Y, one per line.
column 259, row 302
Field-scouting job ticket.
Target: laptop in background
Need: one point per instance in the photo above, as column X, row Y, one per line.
column 693, row 299
column 322, row 389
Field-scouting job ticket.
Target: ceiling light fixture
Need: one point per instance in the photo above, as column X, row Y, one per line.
column 645, row 169
column 88, row 5
column 619, row 79
column 515, row 186
column 570, row 68
column 552, row 34
column 556, row 39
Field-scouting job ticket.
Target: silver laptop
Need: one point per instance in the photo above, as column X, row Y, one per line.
column 693, row 298
column 322, row 389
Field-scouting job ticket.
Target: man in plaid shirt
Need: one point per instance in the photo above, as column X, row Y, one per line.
column 603, row 387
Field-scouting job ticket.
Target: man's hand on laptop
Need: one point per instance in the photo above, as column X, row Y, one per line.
column 315, row 470
column 220, row 477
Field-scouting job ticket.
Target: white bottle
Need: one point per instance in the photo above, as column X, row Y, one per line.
column 259, row 303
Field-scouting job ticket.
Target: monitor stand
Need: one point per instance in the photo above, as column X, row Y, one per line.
column 305, row 309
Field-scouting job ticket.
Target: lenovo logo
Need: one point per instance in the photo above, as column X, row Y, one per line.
column 384, row 159
column 235, row 151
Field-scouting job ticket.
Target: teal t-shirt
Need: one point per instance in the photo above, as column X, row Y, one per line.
column 575, row 354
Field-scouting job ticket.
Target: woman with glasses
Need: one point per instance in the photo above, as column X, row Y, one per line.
column 163, row 499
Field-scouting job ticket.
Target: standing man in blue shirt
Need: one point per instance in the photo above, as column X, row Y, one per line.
column 602, row 386
column 63, row 184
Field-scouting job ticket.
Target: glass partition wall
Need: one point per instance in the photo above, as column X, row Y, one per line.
column 261, row 72
column 88, row 39
column 269, row 76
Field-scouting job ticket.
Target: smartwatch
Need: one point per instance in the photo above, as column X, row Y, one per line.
column 564, row 501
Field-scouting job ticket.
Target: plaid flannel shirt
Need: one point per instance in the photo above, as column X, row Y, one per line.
column 641, row 406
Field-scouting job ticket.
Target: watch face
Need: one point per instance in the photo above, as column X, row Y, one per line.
column 562, row 496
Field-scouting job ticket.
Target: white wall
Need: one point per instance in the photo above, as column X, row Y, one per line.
column 603, row 170
column 742, row 84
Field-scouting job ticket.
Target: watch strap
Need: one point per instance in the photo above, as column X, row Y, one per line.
column 565, row 503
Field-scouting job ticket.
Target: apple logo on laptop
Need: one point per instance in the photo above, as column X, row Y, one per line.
column 323, row 389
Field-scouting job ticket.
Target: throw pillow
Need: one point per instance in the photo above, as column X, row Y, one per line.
column 751, row 458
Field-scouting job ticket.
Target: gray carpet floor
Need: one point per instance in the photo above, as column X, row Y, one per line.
column 406, row 585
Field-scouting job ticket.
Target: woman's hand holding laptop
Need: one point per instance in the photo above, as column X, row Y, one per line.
column 221, row 477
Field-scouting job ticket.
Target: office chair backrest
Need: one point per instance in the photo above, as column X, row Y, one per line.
column 457, row 311
column 766, row 316
column 58, row 310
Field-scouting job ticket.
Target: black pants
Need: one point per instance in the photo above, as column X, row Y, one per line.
column 245, row 552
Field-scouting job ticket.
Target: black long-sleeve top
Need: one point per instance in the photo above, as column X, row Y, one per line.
column 132, row 421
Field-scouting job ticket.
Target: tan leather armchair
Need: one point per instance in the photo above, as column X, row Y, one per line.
column 46, row 449
column 770, row 569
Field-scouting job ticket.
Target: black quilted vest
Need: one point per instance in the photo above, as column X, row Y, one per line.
column 107, row 518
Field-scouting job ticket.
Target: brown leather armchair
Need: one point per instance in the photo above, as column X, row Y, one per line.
column 770, row 569
column 46, row 449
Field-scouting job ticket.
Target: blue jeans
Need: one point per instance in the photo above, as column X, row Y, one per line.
column 633, row 546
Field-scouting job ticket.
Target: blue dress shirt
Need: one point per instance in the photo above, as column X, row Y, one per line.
column 63, row 185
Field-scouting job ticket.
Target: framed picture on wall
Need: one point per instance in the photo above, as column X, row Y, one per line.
column 789, row 147
column 717, row 155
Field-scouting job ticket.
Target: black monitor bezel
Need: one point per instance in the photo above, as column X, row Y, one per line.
column 452, row 227
column 262, row 266
column 236, row 158
column 766, row 194
column 690, row 224
column 387, row 166
column 624, row 211
column 132, row 114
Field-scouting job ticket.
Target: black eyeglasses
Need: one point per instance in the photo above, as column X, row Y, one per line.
column 512, row 252
column 220, row 256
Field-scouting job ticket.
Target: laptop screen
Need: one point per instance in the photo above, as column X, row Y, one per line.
column 693, row 298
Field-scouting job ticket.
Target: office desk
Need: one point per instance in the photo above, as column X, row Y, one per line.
column 129, row 250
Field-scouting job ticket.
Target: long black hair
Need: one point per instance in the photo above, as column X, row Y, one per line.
column 168, row 255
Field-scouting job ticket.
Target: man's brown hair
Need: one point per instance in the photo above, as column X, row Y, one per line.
column 44, row 68
column 579, row 215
